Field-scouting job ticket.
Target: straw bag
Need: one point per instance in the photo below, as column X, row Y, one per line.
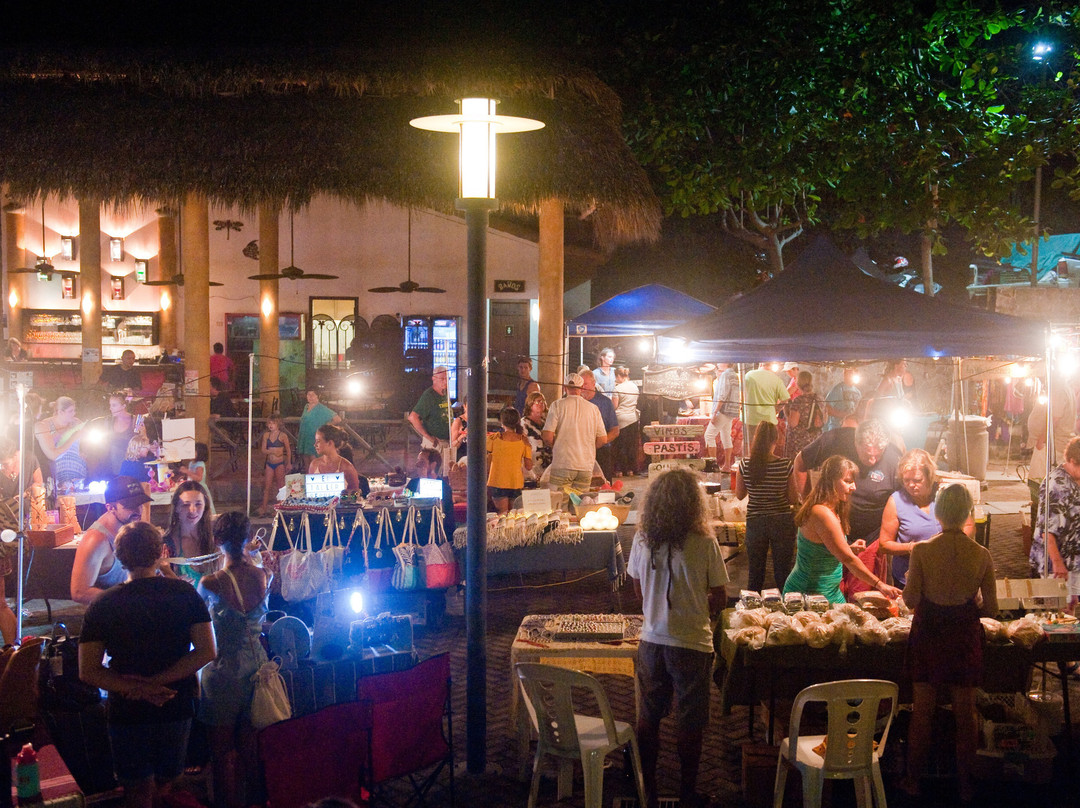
column 440, row 566
column 407, row 574
column 333, row 551
column 303, row 572
column 269, row 701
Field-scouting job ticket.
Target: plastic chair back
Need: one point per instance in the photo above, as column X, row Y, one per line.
column 853, row 706
column 550, row 694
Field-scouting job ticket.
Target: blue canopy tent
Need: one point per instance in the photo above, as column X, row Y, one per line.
column 645, row 310
column 823, row 308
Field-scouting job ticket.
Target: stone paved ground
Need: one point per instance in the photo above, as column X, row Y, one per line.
column 721, row 775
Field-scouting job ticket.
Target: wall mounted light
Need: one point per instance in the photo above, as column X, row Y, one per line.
column 116, row 249
column 67, row 248
column 267, row 306
column 87, row 303
column 166, row 301
column 140, row 270
column 13, row 299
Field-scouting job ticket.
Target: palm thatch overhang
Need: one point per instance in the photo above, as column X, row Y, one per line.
column 248, row 128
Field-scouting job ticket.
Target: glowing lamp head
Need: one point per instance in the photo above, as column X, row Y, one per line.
column 354, row 386
column 267, row 306
column 356, row 601
column 899, row 418
column 166, row 301
column 87, row 303
column 13, row 298
column 95, row 436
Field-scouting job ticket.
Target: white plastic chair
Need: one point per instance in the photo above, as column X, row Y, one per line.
column 850, row 754
column 565, row 734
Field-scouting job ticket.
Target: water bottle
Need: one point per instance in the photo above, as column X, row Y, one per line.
column 27, row 777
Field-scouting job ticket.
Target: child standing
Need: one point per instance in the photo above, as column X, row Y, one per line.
column 510, row 456
column 278, row 451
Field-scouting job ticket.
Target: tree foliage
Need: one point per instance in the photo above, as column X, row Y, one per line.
column 866, row 115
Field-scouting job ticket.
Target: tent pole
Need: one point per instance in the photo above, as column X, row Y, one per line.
column 1051, row 450
column 963, row 414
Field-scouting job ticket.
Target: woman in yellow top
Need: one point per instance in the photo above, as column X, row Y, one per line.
column 509, row 456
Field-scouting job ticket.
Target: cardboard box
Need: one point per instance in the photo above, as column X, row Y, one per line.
column 1031, row 593
column 50, row 536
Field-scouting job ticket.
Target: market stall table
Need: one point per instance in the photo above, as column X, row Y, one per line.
column 533, row 643
column 744, row 675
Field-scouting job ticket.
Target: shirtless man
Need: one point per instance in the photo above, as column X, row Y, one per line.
column 96, row 566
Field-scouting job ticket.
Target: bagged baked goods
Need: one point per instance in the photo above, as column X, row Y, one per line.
column 843, row 627
column 995, row 630
column 807, row 618
column 781, row 630
column 1025, row 631
column 745, row 618
column 855, row 612
column 872, row 632
column 752, row 636
column 793, row 602
column 816, row 603
column 772, row 600
column 898, row 628
column 817, row 635
column 874, row 603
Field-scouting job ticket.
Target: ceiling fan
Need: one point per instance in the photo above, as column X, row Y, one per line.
column 409, row 285
column 43, row 267
column 292, row 272
column 177, row 280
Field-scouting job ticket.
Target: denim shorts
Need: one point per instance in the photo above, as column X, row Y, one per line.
column 142, row 751
column 664, row 671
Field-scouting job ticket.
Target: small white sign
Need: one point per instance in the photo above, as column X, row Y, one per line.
column 178, row 439
column 91, row 356
column 603, row 497
column 536, row 500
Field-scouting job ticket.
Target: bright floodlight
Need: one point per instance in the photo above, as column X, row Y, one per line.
column 1041, row 50
column 1018, row 370
column 644, row 345
column 856, row 378
column 354, row 387
column 95, row 435
column 356, row 601
column 1068, row 363
column 900, row 417
column 478, row 125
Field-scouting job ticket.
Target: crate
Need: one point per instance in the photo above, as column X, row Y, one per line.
column 50, row 536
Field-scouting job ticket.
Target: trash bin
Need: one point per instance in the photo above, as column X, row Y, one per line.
column 972, row 459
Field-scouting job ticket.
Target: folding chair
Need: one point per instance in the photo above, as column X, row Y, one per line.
column 322, row 754
column 411, row 729
column 18, row 706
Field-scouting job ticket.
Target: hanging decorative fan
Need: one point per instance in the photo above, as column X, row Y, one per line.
column 409, row 285
column 176, row 280
column 42, row 267
column 292, row 272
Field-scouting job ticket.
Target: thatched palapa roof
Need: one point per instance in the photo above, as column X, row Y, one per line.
column 250, row 127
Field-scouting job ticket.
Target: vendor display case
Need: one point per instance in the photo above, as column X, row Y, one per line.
column 58, row 334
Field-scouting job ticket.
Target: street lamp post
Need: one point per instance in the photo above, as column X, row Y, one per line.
column 1039, row 53
column 477, row 125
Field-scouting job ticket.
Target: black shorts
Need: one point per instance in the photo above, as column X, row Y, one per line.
column 498, row 493
column 664, row 671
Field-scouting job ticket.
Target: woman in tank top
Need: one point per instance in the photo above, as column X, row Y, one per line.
column 770, row 485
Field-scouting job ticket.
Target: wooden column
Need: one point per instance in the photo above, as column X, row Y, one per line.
column 195, row 241
column 90, row 283
column 14, row 257
column 269, row 342
column 167, row 268
column 551, row 358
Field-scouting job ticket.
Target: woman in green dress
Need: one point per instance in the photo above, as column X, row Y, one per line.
column 821, row 546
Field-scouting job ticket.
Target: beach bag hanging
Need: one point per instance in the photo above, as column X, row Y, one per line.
column 440, row 566
column 333, row 550
column 407, row 574
column 303, row 573
column 381, row 560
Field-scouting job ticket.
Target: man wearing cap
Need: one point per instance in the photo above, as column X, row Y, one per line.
column 575, row 430
column 96, row 567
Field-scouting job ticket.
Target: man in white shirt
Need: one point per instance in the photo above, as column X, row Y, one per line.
column 575, row 430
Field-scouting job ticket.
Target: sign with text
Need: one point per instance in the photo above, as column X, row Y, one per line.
column 673, row 431
column 676, row 383
column 510, row 286
column 672, row 447
column 692, row 463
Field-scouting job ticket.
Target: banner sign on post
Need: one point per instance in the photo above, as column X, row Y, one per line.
column 178, row 439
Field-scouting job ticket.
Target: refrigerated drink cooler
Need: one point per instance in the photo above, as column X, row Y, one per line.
column 430, row 341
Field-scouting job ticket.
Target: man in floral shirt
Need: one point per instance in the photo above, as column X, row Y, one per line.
column 1059, row 534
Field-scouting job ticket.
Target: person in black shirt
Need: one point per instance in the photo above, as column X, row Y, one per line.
column 124, row 376
column 869, row 448
column 158, row 635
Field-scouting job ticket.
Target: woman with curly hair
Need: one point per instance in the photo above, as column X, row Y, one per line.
column 821, row 546
column 679, row 574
